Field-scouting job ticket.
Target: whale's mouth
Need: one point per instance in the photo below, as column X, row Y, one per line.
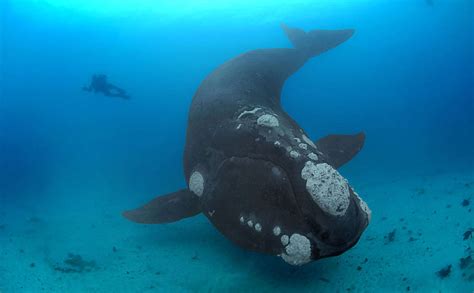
column 342, row 233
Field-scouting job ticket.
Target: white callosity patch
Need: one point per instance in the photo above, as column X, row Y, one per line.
column 276, row 230
column 365, row 207
column 277, row 143
column 242, row 220
column 238, row 126
column 313, row 156
column 196, row 183
column 258, row 227
column 297, row 139
column 284, row 240
column 268, row 120
column 308, row 141
column 303, row 146
column 249, row 112
column 294, row 154
column 327, row 187
column 298, row 250
column 250, row 223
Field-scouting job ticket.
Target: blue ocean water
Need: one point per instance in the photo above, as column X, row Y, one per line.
column 72, row 161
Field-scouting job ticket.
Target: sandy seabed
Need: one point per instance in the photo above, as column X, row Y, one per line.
column 417, row 229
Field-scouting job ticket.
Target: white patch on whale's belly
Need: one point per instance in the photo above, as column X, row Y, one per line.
column 276, row 230
column 298, row 250
column 303, row 146
column 268, row 120
column 308, row 141
column 328, row 189
column 258, row 227
column 249, row 112
column 294, row 154
column 313, row 156
column 196, row 183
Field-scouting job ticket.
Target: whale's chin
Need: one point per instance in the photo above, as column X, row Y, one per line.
column 336, row 214
column 335, row 250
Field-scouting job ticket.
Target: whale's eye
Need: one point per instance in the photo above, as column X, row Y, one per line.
column 325, row 235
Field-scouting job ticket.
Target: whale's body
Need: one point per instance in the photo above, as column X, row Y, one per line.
column 254, row 172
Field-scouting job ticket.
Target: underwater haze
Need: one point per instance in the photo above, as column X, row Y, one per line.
column 72, row 161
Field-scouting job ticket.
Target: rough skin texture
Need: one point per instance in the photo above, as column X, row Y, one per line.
column 327, row 187
column 298, row 250
column 196, row 183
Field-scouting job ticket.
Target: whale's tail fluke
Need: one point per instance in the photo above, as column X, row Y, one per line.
column 316, row 42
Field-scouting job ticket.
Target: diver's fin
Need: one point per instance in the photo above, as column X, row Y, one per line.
column 340, row 149
column 166, row 209
column 316, row 41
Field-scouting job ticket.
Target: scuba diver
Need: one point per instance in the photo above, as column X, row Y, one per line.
column 99, row 84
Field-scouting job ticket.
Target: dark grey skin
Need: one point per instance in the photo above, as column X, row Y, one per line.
column 246, row 162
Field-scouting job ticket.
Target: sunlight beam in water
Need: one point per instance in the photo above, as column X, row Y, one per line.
column 187, row 8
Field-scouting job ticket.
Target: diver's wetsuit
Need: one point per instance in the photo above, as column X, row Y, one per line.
column 99, row 84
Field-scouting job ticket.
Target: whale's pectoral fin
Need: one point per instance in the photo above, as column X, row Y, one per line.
column 316, row 41
column 340, row 149
column 166, row 208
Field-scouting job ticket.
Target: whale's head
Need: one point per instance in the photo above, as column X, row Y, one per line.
column 310, row 207
column 332, row 215
column 336, row 215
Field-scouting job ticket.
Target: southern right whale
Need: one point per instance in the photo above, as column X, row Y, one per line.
column 254, row 172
